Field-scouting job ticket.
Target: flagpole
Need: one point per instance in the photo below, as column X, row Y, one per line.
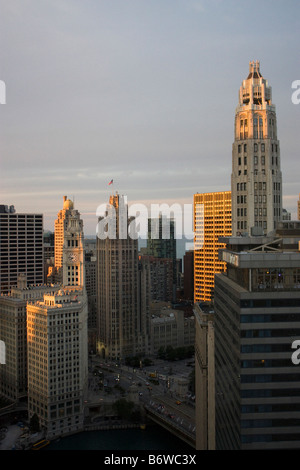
column 111, row 183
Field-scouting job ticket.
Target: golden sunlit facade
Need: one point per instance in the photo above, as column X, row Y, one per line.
column 61, row 225
column 256, row 180
column 212, row 219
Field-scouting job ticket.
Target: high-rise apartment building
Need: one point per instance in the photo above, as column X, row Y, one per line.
column 21, row 248
column 212, row 219
column 188, row 276
column 91, row 290
column 256, row 182
column 161, row 277
column 257, row 318
column 121, row 317
column 161, row 243
column 57, row 341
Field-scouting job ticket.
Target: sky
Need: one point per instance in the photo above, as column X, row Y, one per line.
column 139, row 91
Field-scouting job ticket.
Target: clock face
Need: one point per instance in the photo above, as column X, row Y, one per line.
column 73, row 257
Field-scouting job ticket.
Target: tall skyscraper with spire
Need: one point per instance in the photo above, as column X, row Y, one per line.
column 123, row 316
column 256, row 181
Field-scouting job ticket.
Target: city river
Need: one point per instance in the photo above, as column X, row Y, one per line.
column 152, row 438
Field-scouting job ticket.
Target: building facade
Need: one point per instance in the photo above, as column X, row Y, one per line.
column 170, row 327
column 57, row 360
column 60, row 226
column 204, row 376
column 256, row 181
column 121, row 315
column 13, row 332
column 161, row 243
column 188, row 275
column 161, row 277
column 212, row 219
column 57, row 341
column 257, row 318
column 21, row 248
column 91, row 290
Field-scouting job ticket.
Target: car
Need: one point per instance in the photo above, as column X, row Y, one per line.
column 178, row 402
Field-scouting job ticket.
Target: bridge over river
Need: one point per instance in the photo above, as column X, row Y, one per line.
column 179, row 419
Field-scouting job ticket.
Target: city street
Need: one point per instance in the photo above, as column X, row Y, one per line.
column 117, row 380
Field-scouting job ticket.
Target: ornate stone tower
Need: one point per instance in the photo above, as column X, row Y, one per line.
column 256, row 181
column 69, row 252
column 73, row 252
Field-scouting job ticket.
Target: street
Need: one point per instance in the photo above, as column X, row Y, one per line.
column 110, row 381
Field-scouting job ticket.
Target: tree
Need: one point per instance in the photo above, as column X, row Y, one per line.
column 123, row 408
column 34, row 423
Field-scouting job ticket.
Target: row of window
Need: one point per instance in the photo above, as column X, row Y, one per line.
column 256, row 147
column 256, row 160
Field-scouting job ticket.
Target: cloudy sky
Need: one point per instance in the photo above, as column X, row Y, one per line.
column 139, row 91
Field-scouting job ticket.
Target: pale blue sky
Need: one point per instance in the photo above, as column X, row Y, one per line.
column 141, row 91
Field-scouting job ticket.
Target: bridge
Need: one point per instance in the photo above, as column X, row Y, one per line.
column 178, row 422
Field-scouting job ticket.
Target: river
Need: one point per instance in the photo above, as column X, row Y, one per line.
column 152, row 438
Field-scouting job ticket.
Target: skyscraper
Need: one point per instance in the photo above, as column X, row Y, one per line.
column 161, row 243
column 21, row 248
column 212, row 219
column 61, row 224
column 256, row 182
column 257, row 318
column 161, row 238
column 204, row 376
column 121, row 314
column 13, row 374
column 57, row 340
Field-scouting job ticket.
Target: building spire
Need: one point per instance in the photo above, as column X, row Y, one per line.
column 254, row 71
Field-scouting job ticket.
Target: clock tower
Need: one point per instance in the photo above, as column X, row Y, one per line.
column 73, row 251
